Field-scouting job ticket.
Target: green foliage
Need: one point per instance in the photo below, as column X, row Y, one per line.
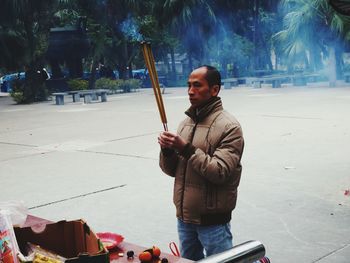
column 309, row 27
column 25, row 92
column 110, row 84
column 235, row 35
column 24, row 33
column 66, row 17
column 129, row 85
column 78, row 84
column 105, row 83
column 233, row 54
column 17, row 96
column 116, row 85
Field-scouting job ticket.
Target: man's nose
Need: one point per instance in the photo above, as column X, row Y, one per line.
column 190, row 90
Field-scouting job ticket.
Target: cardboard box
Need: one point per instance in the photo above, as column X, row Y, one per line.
column 73, row 240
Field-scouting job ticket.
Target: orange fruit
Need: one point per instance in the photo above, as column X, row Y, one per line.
column 156, row 251
column 145, row 256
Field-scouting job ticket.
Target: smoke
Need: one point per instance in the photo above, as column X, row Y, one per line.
column 240, row 41
column 228, row 47
column 130, row 29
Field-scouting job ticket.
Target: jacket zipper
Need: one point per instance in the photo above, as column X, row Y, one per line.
column 184, row 172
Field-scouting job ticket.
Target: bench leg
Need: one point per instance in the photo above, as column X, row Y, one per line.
column 276, row 84
column 103, row 97
column 257, row 84
column 87, row 98
column 299, row 81
column 94, row 96
column 76, row 97
column 59, row 100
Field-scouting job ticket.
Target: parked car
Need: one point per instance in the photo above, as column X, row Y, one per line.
column 6, row 81
column 139, row 73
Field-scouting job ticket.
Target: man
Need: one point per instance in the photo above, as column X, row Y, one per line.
column 205, row 159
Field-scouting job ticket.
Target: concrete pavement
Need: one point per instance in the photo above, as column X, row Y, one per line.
column 99, row 162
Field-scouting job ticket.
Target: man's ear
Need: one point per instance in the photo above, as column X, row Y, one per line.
column 214, row 91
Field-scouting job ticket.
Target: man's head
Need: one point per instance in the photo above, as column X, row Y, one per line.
column 203, row 84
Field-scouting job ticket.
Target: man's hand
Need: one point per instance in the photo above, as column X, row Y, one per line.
column 171, row 141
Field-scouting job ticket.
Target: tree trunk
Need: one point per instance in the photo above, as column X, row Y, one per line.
column 125, row 73
column 255, row 34
column 34, row 89
column 332, row 67
column 129, row 71
column 173, row 65
column 190, row 63
column 224, row 68
column 56, row 70
column 339, row 62
column 92, row 79
column 315, row 59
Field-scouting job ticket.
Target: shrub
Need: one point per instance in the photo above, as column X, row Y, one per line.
column 134, row 84
column 104, row 83
column 28, row 91
column 130, row 84
column 78, row 84
column 17, row 96
column 118, row 83
column 110, row 84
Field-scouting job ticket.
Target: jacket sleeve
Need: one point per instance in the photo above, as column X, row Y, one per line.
column 225, row 159
column 168, row 161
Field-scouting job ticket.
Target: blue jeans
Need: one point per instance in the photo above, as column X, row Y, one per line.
column 196, row 239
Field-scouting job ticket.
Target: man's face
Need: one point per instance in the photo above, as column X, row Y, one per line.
column 198, row 88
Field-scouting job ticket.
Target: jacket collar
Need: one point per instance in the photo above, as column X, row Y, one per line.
column 199, row 114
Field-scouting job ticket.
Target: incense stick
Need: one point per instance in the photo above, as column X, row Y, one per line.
column 149, row 60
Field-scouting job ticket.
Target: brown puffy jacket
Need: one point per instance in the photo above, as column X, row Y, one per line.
column 206, row 181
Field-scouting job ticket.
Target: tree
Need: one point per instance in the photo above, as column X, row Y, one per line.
column 256, row 21
column 24, row 36
column 312, row 28
column 122, row 19
column 163, row 42
column 185, row 21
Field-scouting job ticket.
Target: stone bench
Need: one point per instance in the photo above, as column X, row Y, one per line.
column 304, row 78
column 90, row 95
column 59, row 97
column 313, row 77
column 299, row 80
column 75, row 95
column 231, row 82
column 276, row 81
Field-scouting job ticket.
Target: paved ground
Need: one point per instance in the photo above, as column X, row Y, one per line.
column 100, row 162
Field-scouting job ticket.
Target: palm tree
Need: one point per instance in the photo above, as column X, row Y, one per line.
column 312, row 28
column 185, row 21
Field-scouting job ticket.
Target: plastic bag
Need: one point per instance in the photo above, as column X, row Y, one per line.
column 17, row 211
column 8, row 243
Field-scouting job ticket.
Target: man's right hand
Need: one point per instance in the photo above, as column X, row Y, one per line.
column 171, row 141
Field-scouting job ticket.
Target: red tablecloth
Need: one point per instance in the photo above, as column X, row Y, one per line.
column 125, row 247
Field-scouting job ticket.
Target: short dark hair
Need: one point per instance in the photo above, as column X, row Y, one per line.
column 213, row 75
